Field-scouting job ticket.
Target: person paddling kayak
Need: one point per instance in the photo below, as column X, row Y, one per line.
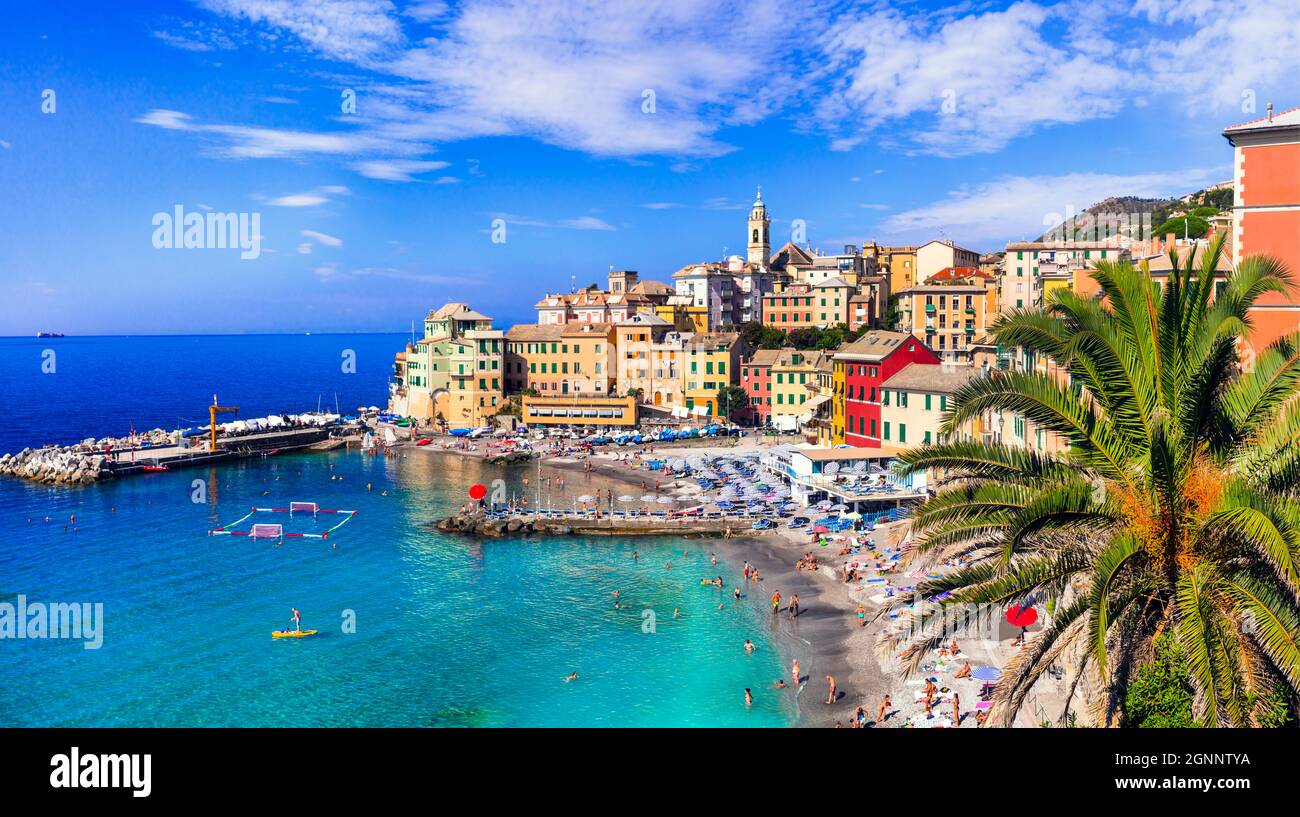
column 297, row 621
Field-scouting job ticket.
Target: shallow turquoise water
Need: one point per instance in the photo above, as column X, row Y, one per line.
column 449, row 631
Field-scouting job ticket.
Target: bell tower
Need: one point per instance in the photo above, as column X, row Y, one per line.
column 760, row 244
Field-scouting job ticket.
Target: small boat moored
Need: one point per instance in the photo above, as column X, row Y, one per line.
column 292, row 633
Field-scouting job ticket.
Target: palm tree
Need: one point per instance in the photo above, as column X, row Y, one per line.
column 1175, row 509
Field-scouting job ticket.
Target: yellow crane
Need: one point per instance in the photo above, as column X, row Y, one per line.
column 213, row 411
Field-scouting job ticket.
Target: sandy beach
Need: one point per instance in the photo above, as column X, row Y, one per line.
column 828, row 636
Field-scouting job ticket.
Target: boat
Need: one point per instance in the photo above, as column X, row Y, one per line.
column 154, row 468
column 292, row 633
column 49, row 334
column 423, row 442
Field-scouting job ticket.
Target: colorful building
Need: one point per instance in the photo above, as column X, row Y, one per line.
column 949, row 317
column 455, row 373
column 792, row 372
column 933, row 256
column 711, row 362
column 756, row 380
column 860, row 368
column 1266, row 211
column 913, row 402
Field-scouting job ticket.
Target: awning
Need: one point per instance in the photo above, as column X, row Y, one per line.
column 811, row 405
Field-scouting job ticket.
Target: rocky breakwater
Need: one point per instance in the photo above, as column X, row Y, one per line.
column 480, row 525
column 70, row 465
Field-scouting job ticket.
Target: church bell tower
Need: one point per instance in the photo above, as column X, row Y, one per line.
column 760, row 244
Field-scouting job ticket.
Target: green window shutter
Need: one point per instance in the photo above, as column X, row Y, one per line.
column 927, row 403
column 886, row 429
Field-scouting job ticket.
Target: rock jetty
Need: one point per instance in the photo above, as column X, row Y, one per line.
column 69, row 465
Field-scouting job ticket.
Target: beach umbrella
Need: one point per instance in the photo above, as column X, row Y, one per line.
column 821, row 529
column 649, row 498
column 853, row 515
column 627, row 498
column 840, row 507
column 586, row 498
column 986, row 673
column 665, row 500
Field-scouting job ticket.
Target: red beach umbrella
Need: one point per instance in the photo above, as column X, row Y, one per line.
column 477, row 491
column 1018, row 616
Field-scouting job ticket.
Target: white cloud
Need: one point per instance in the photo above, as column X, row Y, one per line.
column 661, row 205
column 574, row 74
column 304, row 248
column 396, row 170
column 322, row 238
column 967, row 84
column 310, row 198
column 579, row 223
column 1020, row 207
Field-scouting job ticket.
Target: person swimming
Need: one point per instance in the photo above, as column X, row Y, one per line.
column 572, row 677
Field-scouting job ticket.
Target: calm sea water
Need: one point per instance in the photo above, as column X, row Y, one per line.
column 449, row 631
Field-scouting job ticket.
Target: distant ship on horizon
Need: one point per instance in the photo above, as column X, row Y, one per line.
column 49, row 334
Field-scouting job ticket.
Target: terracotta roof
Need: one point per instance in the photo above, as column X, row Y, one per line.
column 652, row 288
column 763, row 357
column 528, row 332
column 790, row 253
column 575, row 329
column 932, row 377
column 833, row 283
column 958, row 274
column 458, row 311
column 876, row 345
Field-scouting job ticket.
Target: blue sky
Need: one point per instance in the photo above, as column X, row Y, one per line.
column 893, row 122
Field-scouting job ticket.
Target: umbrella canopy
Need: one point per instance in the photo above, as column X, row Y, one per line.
column 821, row 529
column 986, row 673
column 586, row 498
column 853, row 515
column 665, row 500
column 649, row 498
column 627, row 498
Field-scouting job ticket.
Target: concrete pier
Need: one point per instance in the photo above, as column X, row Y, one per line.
column 83, row 463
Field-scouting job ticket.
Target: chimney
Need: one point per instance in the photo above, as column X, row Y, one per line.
column 1270, row 111
column 1171, row 241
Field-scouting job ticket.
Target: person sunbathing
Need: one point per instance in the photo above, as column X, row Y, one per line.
column 964, row 672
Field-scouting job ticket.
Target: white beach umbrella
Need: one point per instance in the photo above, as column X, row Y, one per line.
column 665, row 500
column 649, row 498
column 586, row 498
column 627, row 498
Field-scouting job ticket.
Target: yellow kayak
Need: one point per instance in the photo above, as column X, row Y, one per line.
column 292, row 633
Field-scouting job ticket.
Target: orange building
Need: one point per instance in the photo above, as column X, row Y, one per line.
column 1266, row 210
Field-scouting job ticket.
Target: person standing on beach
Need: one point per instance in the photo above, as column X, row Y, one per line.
column 830, row 695
column 884, row 710
column 776, row 602
column 794, row 605
column 956, row 708
column 794, row 670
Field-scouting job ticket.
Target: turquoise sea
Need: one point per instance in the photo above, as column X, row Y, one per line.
column 448, row 631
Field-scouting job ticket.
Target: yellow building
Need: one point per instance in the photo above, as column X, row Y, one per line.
column 454, row 374
column 579, row 410
column 949, row 318
column 837, row 402
column 476, row 391
column 711, row 363
column 573, row 358
column 792, row 373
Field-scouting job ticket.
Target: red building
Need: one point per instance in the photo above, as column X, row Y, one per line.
column 862, row 366
column 1266, row 212
column 756, row 379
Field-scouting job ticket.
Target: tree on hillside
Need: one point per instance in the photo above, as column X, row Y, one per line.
column 1175, row 510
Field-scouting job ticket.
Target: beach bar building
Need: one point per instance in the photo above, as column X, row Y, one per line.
column 863, row 479
column 588, row 410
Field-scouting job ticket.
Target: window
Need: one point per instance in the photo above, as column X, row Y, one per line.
column 927, row 402
column 926, row 441
column 902, row 433
column 886, row 429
